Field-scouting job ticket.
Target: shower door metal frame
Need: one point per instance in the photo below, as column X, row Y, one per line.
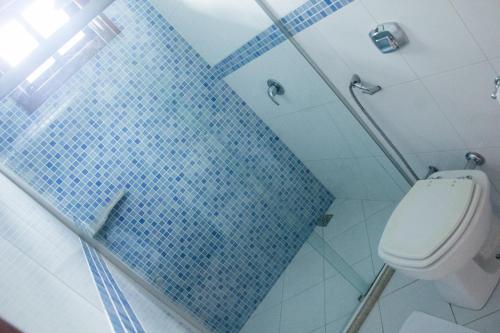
column 386, row 273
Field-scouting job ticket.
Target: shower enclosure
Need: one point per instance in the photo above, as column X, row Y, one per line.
column 199, row 149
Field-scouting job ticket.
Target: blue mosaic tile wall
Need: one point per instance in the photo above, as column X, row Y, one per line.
column 216, row 204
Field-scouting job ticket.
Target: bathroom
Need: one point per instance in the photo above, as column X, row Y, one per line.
column 253, row 166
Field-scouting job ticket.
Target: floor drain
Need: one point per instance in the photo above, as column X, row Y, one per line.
column 324, row 220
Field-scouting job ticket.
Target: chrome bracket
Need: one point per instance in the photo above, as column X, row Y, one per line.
column 274, row 88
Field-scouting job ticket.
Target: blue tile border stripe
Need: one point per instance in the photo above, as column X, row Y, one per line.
column 296, row 21
column 119, row 311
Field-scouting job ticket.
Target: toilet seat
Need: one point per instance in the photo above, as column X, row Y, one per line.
column 429, row 221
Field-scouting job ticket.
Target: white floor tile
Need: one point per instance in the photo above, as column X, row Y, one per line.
column 420, row 296
column 398, row 281
column 371, row 207
column 488, row 324
column 265, row 322
column 303, row 313
column 305, row 271
column 373, row 323
column 273, row 297
column 338, row 325
column 341, row 298
column 352, row 245
column 465, row 315
column 346, row 214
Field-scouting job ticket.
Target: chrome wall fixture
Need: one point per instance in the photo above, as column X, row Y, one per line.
column 473, row 160
column 388, row 37
column 274, row 89
column 494, row 95
column 365, row 88
column 371, row 89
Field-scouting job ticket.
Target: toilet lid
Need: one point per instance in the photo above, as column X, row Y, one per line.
column 426, row 217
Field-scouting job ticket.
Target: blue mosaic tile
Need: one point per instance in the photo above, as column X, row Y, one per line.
column 216, row 205
column 121, row 315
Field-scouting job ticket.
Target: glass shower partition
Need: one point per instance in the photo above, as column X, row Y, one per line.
column 223, row 187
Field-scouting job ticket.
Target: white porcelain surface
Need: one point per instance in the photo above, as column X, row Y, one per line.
column 234, row 23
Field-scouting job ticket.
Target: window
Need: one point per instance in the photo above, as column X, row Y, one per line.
column 26, row 24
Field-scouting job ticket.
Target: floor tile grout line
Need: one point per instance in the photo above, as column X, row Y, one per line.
column 398, row 289
column 481, row 317
column 453, row 313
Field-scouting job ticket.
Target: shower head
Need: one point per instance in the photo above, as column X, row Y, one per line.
column 366, row 88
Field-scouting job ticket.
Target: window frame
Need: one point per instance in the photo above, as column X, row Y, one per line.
column 98, row 33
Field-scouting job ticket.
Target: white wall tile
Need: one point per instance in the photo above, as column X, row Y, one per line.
column 303, row 87
column 284, row 7
column 411, row 119
column 481, row 17
column 361, row 178
column 35, row 301
column 347, row 32
column 438, row 38
column 443, row 160
column 216, row 28
column 165, row 7
column 311, row 134
column 464, row 96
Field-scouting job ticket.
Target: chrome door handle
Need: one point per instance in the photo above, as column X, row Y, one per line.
column 274, row 89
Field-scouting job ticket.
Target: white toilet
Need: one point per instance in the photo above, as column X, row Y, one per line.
column 444, row 230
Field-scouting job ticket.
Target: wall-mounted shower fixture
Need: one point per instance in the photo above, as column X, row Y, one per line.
column 388, row 37
column 473, row 160
column 274, row 89
column 366, row 88
column 494, row 95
